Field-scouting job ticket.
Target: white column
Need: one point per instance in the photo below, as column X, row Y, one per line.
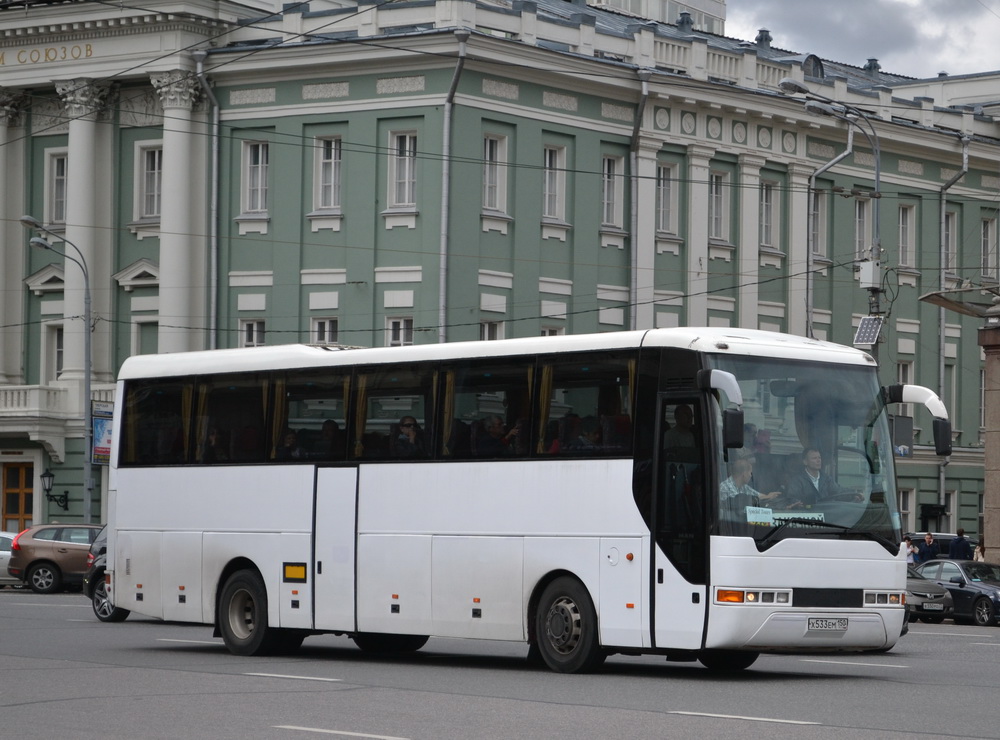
column 748, row 249
column 182, row 276
column 644, row 238
column 799, row 203
column 696, row 302
column 83, row 99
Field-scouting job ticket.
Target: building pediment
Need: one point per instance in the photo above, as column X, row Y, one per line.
column 142, row 273
column 50, row 279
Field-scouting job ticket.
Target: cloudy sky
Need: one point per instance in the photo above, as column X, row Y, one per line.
column 917, row 38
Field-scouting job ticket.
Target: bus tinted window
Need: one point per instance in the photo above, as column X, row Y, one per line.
column 156, row 424
column 487, row 405
column 230, row 419
column 393, row 413
column 314, row 410
column 585, row 402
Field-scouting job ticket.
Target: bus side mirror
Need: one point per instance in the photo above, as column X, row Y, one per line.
column 942, row 437
column 732, row 428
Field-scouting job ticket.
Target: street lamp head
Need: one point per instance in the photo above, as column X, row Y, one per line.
column 37, row 241
column 30, row 222
column 820, row 109
column 47, row 479
column 792, row 87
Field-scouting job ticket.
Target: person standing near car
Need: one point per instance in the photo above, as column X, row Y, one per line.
column 960, row 549
column 911, row 550
column 928, row 549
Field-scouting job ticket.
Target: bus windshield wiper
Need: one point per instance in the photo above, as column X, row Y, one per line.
column 767, row 538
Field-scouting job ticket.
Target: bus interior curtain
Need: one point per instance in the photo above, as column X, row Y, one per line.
column 360, row 415
column 201, row 415
column 448, row 411
column 279, row 420
column 544, row 401
column 187, row 396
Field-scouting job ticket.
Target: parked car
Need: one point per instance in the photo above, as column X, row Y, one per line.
column 6, row 540
column 94, row 587
column 48, row 557
column 973, row 587
column 926, row 600
column 943, row 540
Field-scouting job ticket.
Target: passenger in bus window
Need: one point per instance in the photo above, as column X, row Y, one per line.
column 496, row 441
column 681, row 434
column 409, row 442
column 214, row 449
column 289, row 449
column 330, row 445
column 589, row 439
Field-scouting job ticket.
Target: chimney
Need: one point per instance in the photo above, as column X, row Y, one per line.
column 684, row 23
column 763, row 39
column 873, row 67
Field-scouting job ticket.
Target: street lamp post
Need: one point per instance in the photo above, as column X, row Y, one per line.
column 88, row 429
column 871, row 278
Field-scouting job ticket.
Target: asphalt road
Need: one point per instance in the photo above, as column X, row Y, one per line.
column 63, row 674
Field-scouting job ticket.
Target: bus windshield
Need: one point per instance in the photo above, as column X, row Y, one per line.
column 816, row 456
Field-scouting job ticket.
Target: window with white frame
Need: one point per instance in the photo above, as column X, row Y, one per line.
column 950, row 236
column 489, row 330
column 906, row 235
column 554, row 183
column 52, row 348
column 495, row 173
column 328, row 173
column 255, row 162
column 612, row 191
column 862, row 236
column 398, row 331
column 988, row 247
column 252, row 333
column 56, row 174
column 817, row 221
column 403, row 170
column 718, row 206
column 145, row 336
column 149, row 179
column 665, row 194
column 904, row 376
column 768, row 214
column 324, row 331
column 553, row 331
column 906, row 499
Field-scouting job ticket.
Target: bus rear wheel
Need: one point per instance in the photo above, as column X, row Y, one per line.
column 566, row 628
column 243, row 615
column 372, row 642
column 727, row 661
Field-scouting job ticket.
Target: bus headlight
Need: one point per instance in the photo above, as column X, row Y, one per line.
column 885, row 598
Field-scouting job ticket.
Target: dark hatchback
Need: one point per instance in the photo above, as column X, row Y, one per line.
column 974, row 587
column 94, row 587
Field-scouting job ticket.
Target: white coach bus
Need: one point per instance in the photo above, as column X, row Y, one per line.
column 588, row 495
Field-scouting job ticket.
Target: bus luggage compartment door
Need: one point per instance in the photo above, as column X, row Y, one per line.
column 336, row 504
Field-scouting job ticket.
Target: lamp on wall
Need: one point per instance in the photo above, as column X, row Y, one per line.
column 48, row 478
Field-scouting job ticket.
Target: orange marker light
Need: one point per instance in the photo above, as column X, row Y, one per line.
column 475, row 599
column 730, row 597
column 180, row 588
column 395, row 596
column 629, row 557
column 630, row 606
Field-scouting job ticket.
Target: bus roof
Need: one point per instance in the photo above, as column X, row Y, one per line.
column 711, row 340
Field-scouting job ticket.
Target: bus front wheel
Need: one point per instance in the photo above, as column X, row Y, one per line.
column 727, row 661
column 243, row 615
column 566, row 628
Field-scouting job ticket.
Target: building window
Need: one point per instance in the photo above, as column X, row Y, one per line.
column 255, row 160
column 817, row 222
column 717, row 206
column 252, row 333
column 950, row 221
column 554, row 183
column 398, row 331
column 56, row 172
column 553, row 331
column 665, row 193
column 489, row 330
column 403, row 170
column 862, row 238
column 150, row 182
column 768, row 214
column 612, row 192
column 145, row 337
column 988, row 248
column 328, row 173
column 495, row 173
column 906, row 509
column 52, row 360
column 324, row 331
column 946, row 520
column 906, row 243
column 904, row 376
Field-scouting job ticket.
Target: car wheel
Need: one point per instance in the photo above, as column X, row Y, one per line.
column 44, row 578
column 983, row 612
column 566, row 628
column 103, row 609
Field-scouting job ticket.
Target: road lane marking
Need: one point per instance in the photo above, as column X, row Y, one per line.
column 297, row 678
column 750, row 719
column 338, row 732
column 854, row 662
column 189, row 642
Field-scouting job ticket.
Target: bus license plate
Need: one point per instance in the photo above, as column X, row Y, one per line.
column 933, row 607
column 821, row 623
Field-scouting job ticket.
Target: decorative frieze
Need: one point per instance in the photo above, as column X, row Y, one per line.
column 254, row 96
column 12, row 105
column 326, row 90
column 616, row 112
column 562, row 102
column 140, row 108
column 396, row 85
column 499, row 89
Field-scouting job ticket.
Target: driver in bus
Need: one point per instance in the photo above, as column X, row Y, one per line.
column 810, row 484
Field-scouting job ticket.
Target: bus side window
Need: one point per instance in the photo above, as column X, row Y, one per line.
column 393, row 417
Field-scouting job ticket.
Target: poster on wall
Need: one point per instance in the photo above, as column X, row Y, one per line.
column 101, row 417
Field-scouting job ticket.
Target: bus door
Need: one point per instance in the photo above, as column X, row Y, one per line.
column 679, row 523
column 334, row 548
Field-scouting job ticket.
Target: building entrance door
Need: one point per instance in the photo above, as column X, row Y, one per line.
column 18, row 496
